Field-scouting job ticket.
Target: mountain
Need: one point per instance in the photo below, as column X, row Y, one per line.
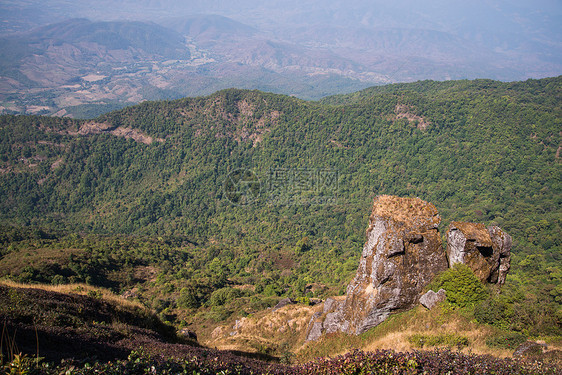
column 78, row 67
column 211, row 27
column 267, row 131
column 309, row 50
column 91, row 43
column 252, row 173
column 83, row 62
column 211, row 209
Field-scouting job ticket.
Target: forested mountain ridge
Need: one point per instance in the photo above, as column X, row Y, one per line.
column 481, row 151
column 304, row 134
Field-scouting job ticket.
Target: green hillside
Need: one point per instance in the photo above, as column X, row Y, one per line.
column 250, row 188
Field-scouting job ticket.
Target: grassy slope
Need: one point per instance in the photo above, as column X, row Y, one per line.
column 82, row 323
column 74, row 321
column 95, row 331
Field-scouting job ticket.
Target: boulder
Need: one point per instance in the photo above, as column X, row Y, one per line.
column 314, row 332
column 487, row 251
column 431, row 299
column 402, row 254
column 284, row 302
column 239, row 323
column 217, row 332
column 188, row 334
column 529, row 348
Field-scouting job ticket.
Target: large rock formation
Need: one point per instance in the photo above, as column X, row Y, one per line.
column 487, row 251
column 402, row 254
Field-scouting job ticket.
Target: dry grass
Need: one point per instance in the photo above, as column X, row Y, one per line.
column 395, row 340
column 80, row 289
column 406, row 210
column 395, row 331
column 477, row 337
column 440, row 321
column 268, row 331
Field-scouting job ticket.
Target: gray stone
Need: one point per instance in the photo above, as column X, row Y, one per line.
column 402, row 254
column 487, row 251
column 329, row 305
column 315, row 332
column 187, row 333
column 284, row 302
column 529, row 348
column 431, row 299
column 239, row 323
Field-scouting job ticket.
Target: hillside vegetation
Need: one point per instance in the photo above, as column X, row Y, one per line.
column 213, row 208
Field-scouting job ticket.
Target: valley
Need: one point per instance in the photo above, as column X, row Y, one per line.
column 280, row 187
column 82, row 60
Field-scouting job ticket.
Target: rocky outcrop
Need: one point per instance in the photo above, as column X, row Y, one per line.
column 402, row 254
column 187, row 334
column 487, row 251
column 431, row 299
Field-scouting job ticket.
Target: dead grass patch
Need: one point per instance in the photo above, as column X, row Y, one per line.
column 394, row 333
column 80, row 289
column 267, row 332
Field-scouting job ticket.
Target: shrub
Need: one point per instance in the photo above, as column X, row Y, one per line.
column 509, row 340
column 302, row 246
column 495, row 312
column 219, row 314
column 450, row 340
column 303, row 300
column 188, row 299
column 258, row 303
column 58, row 280
column 462, row 286
column 223, row 296
column 95, row 294
column 271, row 291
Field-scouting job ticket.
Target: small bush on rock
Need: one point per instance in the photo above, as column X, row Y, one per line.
column 462, row 286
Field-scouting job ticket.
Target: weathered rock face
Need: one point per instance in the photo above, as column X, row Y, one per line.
column 487, row 251
column 402, row 254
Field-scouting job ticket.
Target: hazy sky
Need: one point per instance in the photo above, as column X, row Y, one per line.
column 435, row 14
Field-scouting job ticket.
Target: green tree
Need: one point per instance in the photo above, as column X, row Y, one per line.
column 188, row 298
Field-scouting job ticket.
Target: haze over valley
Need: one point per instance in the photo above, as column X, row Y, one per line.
column 85, row 58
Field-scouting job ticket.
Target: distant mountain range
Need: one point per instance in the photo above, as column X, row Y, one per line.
column 162, row 49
